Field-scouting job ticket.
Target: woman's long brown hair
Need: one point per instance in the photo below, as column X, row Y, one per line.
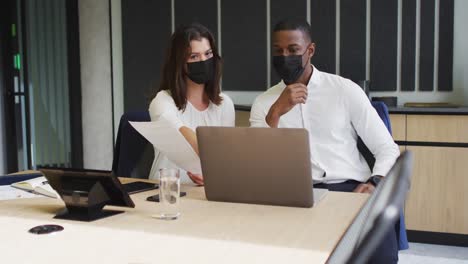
column 174, row 70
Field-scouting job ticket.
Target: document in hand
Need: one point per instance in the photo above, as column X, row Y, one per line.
column 38, row 186
column 171, row 143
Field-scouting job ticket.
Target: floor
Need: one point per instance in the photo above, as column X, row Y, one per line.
column 433, row 254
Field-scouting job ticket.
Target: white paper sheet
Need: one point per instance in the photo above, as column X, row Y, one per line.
column 171, row 143
column 8, row 193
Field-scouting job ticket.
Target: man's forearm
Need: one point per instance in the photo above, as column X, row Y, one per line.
column 272, row 117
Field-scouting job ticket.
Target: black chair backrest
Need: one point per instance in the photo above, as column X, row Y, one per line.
column 133, row 154
column 377, row 216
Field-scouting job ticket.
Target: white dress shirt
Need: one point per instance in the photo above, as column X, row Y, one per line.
column 335, row 113
column 164, row 109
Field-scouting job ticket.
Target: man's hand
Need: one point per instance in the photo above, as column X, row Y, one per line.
column 196, row 178
column 364, row 188
column 292, row 95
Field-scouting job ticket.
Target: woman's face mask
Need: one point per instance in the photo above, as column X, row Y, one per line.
column 201, row 71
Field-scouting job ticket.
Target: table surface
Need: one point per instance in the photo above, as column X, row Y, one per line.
column 206, row 232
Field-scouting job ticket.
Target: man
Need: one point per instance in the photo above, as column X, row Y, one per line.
column 335, row 111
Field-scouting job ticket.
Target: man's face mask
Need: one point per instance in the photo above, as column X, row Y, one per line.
column 201, row 71
column 289, row 68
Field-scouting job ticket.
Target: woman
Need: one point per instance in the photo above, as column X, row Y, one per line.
column 189, row 94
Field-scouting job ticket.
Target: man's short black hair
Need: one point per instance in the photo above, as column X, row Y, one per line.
column 294, row 24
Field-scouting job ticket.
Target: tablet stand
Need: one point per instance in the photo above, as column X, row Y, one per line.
column 84, row 201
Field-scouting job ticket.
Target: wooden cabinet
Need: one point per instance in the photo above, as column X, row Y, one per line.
column 398, row 122
column 438, row 199
column 242, row 119
column 437, row 128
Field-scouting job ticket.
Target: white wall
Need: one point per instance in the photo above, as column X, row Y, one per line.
column 117, row 63
column 460, row 60
column 96, row 84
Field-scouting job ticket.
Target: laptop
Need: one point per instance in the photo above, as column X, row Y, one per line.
column 256, row 165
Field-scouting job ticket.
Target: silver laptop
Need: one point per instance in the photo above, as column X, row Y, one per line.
column 256, row 165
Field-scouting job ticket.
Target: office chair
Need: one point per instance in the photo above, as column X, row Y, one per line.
column 133, row 154
column 382, row 110
column 377, row 216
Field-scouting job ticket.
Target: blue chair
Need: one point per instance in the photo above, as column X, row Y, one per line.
column 377, row 215
column 400, row 227
column 133, row 154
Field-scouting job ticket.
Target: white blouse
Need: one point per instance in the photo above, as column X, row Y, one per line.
column 164, row 108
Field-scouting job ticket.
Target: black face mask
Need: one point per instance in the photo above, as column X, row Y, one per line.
column 201, row 71
column 289, row 68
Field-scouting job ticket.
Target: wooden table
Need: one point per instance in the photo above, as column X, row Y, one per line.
column 206, row 232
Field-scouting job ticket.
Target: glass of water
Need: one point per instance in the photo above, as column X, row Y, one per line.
column 169, row 194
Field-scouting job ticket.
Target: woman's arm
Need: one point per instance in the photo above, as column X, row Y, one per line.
column 190, row 136
column 229, row 114
column 163, row 109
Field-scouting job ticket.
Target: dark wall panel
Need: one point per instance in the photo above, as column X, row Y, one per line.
column 446, row 45
column 353, row 39
column 383, row 60
column 408, row 45
column 244, row 45
column 201, row 11
column 323, row 22
column 282, row 9
column 426, row 57
column 146, row 28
